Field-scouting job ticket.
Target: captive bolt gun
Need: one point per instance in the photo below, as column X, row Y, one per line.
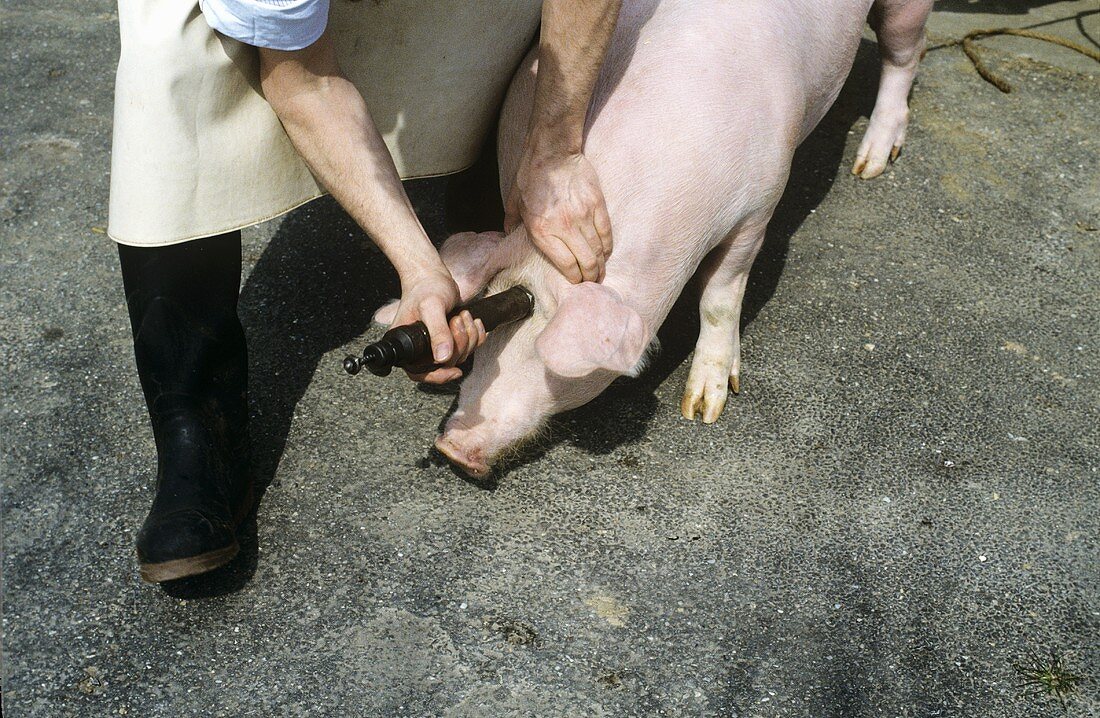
column 409, row 346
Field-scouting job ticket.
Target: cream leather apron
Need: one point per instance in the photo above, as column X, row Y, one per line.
column 197, row 151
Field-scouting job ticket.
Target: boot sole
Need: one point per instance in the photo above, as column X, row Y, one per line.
column 194, row 565
column 191, row 566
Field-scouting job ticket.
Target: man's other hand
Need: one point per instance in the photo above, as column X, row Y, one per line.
column 558, row 198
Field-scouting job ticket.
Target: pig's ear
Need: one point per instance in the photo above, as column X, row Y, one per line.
column 592, row 330
column 474, row 258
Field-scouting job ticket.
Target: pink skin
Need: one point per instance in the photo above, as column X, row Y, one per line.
column 697, row 113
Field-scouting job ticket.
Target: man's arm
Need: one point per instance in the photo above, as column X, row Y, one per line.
column 556, row 193
column 328, row 122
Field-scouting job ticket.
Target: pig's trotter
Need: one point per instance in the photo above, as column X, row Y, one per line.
column 706, row 391
column 899, row 26
column 474, row 258
column 386, row 313
column 885, row 134
column 716, row 365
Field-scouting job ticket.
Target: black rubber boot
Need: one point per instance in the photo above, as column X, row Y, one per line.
column 193, row 363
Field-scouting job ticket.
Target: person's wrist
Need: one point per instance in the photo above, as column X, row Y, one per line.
column 415, row 270
column 554, row 141
column 415, row 258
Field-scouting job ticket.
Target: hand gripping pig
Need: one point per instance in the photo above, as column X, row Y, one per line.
column 695, row 118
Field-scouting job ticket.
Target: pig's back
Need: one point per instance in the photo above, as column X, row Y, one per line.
column 786, row 58
column 698, row 109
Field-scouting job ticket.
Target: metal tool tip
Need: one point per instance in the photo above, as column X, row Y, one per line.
column 352, row 364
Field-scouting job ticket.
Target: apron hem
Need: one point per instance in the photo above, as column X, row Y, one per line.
column 243, row 225
column 213, row 232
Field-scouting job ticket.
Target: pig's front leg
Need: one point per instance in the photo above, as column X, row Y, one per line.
column 899, row 27
column 716, row 364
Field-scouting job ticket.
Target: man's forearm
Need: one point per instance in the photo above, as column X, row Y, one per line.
column 327, row 120
column 556, row 192
column 575, row 36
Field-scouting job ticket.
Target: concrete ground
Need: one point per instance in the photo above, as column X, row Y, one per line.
column 900, row 506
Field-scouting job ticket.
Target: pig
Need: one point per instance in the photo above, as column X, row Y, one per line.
column 694, row 121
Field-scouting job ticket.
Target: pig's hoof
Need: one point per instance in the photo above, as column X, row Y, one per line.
column 881, row 144
column 472, row 465
column 706, row 395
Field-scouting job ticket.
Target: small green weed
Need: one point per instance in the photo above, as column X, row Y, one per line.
column 1048, row 676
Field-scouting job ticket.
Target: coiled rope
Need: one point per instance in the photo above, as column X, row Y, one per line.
column 970, row 47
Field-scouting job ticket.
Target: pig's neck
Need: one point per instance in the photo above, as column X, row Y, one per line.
column 650, row 292
column 648, row 284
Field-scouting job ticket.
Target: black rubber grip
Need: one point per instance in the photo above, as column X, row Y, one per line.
column 409, row 346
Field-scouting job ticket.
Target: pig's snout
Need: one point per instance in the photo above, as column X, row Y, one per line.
column 474, row 444
column 464, row 450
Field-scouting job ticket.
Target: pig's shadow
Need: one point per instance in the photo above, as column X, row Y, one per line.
column 622, row 414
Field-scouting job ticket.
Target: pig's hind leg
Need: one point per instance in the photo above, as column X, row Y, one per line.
column 899, row 27
column 716, row 363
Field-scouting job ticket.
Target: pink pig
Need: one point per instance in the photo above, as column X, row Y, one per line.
column 698, row 111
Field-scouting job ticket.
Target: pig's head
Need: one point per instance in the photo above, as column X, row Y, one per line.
column 578, row 340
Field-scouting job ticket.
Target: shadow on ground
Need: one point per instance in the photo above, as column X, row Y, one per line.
column 997, row 7
column 315, row 288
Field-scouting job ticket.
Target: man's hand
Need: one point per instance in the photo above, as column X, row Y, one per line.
column 427, row 297
column 558, row 198
column 556, row 193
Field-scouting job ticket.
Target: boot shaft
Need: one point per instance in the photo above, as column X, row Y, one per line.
column 189, row 345
column 192, row 360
